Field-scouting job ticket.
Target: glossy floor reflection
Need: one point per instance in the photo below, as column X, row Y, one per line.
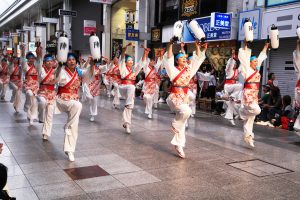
column 110, row 164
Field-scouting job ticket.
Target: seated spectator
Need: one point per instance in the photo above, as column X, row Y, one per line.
column 275, row 103
column 287, row 113
column 263, row 116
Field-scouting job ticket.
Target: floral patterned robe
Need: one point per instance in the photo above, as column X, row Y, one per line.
column 69, row 83
column 46, row 88
column 31, row 79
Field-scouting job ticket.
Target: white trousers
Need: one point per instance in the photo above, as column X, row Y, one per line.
column 149, row 101
column 183, row 112
column 127, row 91
column 46, row 112
column 232, row 90
column 93, row 105
column 3, row 89
column 15, row 96
column 116, row 93
column 192, row 101
column 73, row 110
column 107, row 83
column 30, row 106
column 248, row 114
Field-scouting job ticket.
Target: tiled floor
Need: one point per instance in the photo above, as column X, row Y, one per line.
column 113, row 165
column 259, row 168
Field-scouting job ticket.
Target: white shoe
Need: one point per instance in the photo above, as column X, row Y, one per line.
column 179, row 151
column 249, row 140
column 270, row 125
column 232, row 122
column 223, row 114
column 71, row 156
column 30, row 122
column 127, row 128
column 186, row 125
column 92, row 119
column 161, row 100
column 45, row 137
column 192, row 115
column 150, row 116
column 155, row 105
column 236, row 117
column 115, row 106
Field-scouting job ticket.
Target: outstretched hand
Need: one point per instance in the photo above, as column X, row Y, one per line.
column 39, row 51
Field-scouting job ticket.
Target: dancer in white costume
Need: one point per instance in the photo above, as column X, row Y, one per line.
column 115, row 77
column 178, row 100
column 69, row 79
column 46, row 94
column 128, row 72
column 250, row 66
column 4, row 78
column 151, row 83
column 296, row 59
column 232, row 87
column 16, row 83
column 92, row 84
column 30, row 84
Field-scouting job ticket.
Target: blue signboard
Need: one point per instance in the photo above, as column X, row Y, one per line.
column 132, row 34
column 211, row 33
column 221, row 20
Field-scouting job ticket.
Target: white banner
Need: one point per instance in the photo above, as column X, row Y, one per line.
column 89, row 26
column 286, row 20
column 254, row 16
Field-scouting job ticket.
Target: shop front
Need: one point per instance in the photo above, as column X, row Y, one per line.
column 123, row 15
column 281, row 60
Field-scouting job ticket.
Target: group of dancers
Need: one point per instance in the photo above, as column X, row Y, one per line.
column 52, row 87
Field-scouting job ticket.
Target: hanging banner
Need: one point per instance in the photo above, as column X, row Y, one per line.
column 189, row 9
column 212, row 34
column 89, row 26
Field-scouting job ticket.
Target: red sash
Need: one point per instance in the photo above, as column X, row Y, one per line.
column 65, row 88
column 147, row 79
column 126, row 79
column 48, row 75
column 14, row 74
column 251, row 85
column 298, row 83
column 177, row 88
column 34, row 77
column 232, row 80
column 180, row 73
